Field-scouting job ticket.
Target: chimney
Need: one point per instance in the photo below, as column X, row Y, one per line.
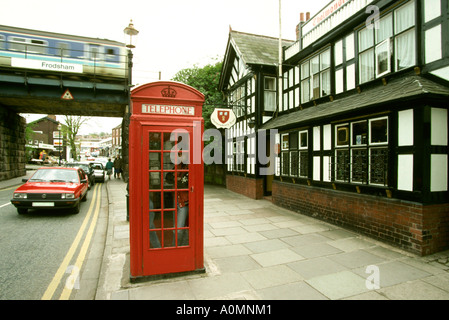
column 303, row 18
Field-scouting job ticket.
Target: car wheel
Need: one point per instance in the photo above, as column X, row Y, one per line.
column 84, row 199
column 76, row 209
column 22, row 211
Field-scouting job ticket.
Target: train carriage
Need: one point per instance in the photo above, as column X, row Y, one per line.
column 54, row 52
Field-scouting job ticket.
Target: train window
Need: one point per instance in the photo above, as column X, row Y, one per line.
column 110, row 52
column 63, row 49
column 38, row 42
column 94, row 52
column 2, row 42
column 37, row 46
column 17, row 44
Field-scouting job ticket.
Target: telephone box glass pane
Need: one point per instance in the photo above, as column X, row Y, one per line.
column 168, row 162
column 183, row 160
column 155, row 141
column 183, row 180
column 155, row 237
column 155, row 220
column 169, row 219
column 182, row 141
column 168, row 144
column 169, row 238
column 155, row 161
column 155, row 200
column 155, row 180
column 183, row 238
column 169, row 200
column 169, row 180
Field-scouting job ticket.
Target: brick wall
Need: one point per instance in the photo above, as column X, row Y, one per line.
column 12, row 145
column 418, row 228
column 250, row 187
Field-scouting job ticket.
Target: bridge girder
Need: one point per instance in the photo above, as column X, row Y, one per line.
column 44, row 96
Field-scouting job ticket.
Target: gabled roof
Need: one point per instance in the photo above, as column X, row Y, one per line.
column 252, row 49
column 46, row 118
column 257, row 49
column 400, row 89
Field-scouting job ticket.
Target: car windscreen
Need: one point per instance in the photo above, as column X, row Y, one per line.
column 55, row 175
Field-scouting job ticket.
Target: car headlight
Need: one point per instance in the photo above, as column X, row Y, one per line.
column 68, row 196
column 20, row 195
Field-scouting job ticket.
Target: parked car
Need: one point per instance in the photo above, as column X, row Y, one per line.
column 98, row 171
column 52, row 188
column 102, row 160
column 86, row 167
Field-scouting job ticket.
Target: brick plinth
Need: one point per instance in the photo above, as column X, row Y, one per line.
column 250, row 187
column 418, row 228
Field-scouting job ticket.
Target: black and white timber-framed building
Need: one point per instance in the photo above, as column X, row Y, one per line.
column 363, row 125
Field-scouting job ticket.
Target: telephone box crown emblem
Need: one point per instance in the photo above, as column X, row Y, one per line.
column 169, row 92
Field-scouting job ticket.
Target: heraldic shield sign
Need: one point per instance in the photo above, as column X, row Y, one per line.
column 223, row 118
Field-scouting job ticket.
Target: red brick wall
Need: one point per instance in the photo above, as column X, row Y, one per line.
column 412, row 226
column 250, row 187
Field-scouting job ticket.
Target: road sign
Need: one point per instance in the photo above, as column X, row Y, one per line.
column 67, row 95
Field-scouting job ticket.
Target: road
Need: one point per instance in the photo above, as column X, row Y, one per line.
column 43, row 254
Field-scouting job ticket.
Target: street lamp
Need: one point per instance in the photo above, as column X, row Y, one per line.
column 60, row 144
column 130, row 31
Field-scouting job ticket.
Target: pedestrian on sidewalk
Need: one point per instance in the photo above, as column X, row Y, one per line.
column 117, row 167
column 109, row 167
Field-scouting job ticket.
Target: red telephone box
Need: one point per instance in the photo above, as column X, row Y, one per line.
column 166, row 179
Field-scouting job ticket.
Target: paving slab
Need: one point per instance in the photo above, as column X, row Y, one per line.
column 255, row 250
column 339, row 285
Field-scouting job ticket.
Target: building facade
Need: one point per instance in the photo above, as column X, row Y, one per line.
column 116, row 141
column 249, row 83
column 362, row 133
column 46, row 137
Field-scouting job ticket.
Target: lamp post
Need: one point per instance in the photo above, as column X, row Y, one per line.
column 129, row 31
column 60, row 144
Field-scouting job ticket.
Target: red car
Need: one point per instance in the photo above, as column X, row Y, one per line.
column 52, row 188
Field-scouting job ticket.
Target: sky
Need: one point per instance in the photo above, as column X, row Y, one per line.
column 173, row 34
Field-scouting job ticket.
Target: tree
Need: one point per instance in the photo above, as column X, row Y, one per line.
column 73, row 125
column 206, row 81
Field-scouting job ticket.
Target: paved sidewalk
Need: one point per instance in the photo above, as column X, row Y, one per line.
column 256, row 250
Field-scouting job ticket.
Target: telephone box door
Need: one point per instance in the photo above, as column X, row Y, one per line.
column 168, row 200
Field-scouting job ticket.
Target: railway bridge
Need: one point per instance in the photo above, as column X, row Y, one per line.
column 49, row 73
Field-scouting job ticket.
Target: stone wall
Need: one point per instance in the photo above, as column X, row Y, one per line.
column 12, row 145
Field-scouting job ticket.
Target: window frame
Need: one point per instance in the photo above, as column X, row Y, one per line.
column 370, row 48
column 271, row 92
column 359, row 171
column 312, row 71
